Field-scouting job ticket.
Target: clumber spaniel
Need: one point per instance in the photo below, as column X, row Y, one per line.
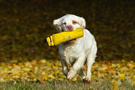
column 76, row 52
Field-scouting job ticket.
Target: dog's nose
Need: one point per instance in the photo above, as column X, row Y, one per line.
column 69, row 27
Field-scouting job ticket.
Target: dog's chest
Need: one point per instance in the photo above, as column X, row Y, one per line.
column 70, row 55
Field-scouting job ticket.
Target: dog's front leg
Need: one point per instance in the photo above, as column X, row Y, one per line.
column 64, row 66
column 76, row 67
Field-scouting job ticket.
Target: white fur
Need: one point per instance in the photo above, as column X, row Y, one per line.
column 77, row 52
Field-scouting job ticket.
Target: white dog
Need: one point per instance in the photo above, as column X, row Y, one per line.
column 76, row 52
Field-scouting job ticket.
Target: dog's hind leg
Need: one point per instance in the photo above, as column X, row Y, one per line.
column 82, row 73
column 90, row 60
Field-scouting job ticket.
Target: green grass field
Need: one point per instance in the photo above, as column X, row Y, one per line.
column 66, row 85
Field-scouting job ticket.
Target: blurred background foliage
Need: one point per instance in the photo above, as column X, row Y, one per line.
column 24, row 24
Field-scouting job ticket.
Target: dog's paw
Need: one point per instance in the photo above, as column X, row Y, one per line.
column 70, row 76
column 86, row 80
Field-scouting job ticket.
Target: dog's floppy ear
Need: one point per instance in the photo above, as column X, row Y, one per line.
column 57, row 24
column 82, row 22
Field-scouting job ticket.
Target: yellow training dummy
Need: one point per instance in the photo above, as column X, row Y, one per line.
column 59, row 38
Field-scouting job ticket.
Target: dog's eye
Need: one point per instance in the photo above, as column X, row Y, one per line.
column 64, row 23
column 74, row 22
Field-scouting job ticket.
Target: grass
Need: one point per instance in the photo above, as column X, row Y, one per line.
column 65, row 85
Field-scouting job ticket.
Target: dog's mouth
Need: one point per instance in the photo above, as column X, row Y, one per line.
column 71, row 41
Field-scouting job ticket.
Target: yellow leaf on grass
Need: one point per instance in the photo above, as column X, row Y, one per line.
column 123, row 69
column 90, row 89
column 48, row 64
column 111, row 70
column 51, row 76
column 2, row 80
column 20, row 64
column 101, row 75
column 131, row 66
column 14, row 71
column 74, row 79
column 118, row 82
column 115, row 87
column 43, row 61
column 44, row 78
column 85, row 68
column 133, row 82
column 28, row 64
column 58, row 71
column 34, row 79
column 26, row 69
column 122, row 76
column 114, row 81
column 42, row 81
column 43, row 73
column 57, row 63
column 108, row 63
column 93, row 67
column 55, row 67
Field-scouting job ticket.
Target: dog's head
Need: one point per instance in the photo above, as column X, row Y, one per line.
column 69, row 22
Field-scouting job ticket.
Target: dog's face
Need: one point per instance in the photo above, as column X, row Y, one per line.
column 69, row 23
